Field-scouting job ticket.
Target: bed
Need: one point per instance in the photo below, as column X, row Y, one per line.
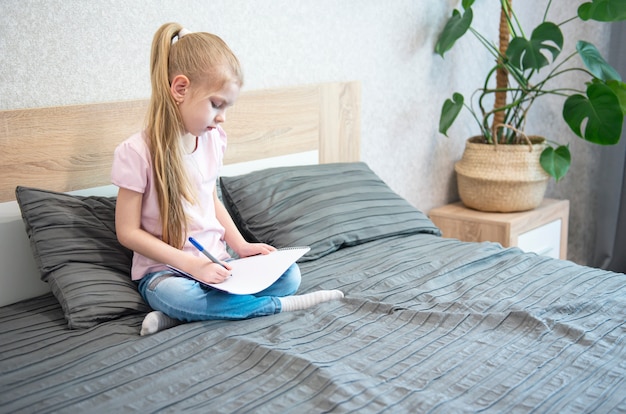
column 428, row 324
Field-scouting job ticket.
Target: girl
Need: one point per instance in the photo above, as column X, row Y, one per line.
column 167, row 176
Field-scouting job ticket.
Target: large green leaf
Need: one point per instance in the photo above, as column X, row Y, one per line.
column 603, row 10
column 619, row 88
column 595, row 62
column 529, row 53
column 455, row 28
column 600, row 109
column 449, row 111
column 556, row 162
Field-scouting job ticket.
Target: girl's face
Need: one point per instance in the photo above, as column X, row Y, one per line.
column 204, row 107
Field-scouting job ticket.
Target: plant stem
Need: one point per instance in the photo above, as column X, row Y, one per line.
column 491, row 48
column 513, row 17
column 567, row 21
column 545, row 13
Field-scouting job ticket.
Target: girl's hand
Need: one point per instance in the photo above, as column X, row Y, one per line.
column 252, row 249
column 209, row 272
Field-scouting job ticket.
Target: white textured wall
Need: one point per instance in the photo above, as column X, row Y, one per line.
column 57, row 52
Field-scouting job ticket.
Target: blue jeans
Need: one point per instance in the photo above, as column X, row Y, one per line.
column 188, row 300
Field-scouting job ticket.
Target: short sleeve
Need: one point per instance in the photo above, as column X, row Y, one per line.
column 131, row 165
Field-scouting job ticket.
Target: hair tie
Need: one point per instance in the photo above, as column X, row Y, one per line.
column 181, row 33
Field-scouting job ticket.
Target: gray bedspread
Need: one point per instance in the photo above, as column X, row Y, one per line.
column 428, row 325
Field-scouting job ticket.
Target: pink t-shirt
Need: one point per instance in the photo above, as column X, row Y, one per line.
column 132, row 169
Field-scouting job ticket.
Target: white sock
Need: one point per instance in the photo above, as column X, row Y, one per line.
column 298, row 302
column 157, row 321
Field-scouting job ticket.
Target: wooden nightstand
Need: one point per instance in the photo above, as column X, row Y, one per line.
column 542, row 230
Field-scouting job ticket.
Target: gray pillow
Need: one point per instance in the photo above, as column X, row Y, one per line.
column 76, row 250
column 325, row 206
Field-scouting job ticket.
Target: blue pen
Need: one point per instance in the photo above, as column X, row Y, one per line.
column 204, row 252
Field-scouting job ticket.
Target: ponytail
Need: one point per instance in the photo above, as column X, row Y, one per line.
column 164, row 129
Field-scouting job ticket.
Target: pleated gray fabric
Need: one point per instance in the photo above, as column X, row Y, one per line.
column 323, row 206
column 427, row 325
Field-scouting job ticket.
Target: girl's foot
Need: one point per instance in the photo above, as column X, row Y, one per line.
column 157, row 321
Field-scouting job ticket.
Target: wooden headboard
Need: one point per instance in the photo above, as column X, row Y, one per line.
column 71, row 147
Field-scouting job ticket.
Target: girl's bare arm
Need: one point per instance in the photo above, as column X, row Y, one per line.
column 131, row 235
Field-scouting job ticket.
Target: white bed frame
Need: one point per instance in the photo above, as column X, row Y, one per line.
column 70, row 149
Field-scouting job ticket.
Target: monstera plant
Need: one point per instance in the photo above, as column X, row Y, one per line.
column 526, row 63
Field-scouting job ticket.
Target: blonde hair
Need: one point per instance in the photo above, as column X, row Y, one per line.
column 201, row 57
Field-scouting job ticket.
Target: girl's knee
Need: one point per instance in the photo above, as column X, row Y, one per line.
column 287, row 284
column 292, row 278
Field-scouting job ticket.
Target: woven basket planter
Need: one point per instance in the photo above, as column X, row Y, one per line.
column 501, row 178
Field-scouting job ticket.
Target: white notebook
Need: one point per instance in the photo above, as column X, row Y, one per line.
column 255, row 273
